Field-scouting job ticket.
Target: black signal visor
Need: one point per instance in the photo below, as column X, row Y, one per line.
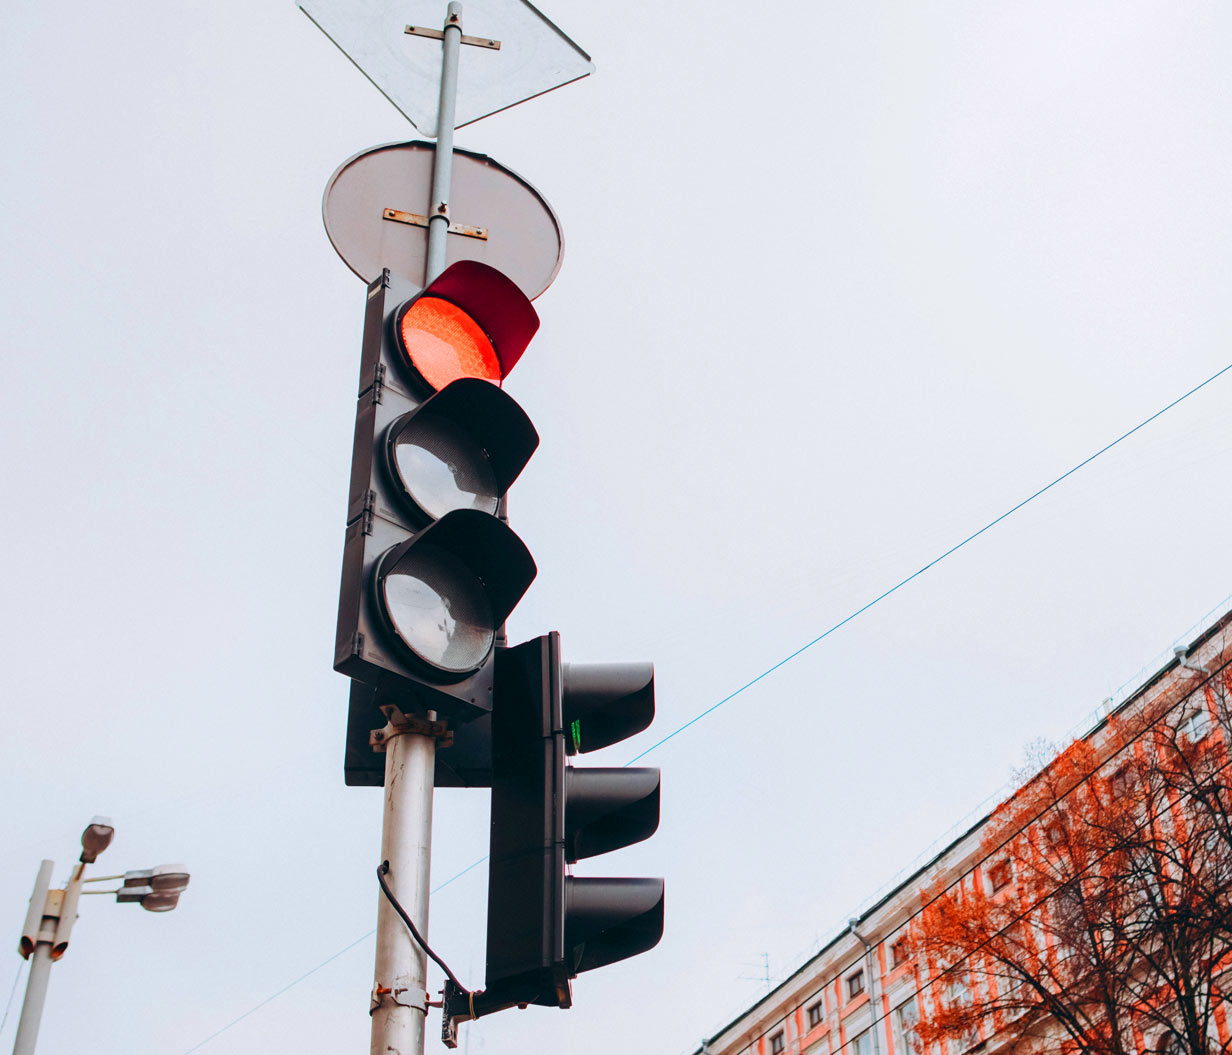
column 604, row 703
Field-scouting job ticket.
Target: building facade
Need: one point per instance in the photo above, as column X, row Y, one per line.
column 865, row 991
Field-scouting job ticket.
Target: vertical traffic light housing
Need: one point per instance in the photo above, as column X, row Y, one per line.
column 545, row 926
column 430, row 568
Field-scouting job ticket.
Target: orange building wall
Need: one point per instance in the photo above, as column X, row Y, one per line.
column 824, row 976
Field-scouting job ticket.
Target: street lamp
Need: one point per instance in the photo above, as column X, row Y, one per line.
column 95, row 839
column 156, row 889
column 51, row 915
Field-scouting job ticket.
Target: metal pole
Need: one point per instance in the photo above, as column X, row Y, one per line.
column 442, row 167
column 36, row 995
column 51, row 914
column 399, row 996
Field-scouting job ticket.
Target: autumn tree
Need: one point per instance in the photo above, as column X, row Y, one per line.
column 1099, row 920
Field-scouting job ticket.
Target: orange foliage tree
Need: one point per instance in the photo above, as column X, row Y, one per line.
column 1099, row 919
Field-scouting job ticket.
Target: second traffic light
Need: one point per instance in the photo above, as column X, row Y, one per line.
column 430, row 569
column 545, row 925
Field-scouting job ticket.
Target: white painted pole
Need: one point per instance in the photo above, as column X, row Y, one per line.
column 48, row 923
column 399, row 999
column 36, row 996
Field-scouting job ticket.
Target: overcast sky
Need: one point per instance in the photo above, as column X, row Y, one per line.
column 844, row 281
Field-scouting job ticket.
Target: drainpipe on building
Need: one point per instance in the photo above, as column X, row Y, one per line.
column 870, row 966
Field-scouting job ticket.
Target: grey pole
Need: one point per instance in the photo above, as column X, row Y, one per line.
column 48, row 923
column 399, row 996
column 442, row 167
column 36, row 995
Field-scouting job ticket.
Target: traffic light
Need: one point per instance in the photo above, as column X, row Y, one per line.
column 545, row 925
column 430, row 569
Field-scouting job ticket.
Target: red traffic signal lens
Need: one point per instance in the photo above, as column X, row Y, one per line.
column 443, row 343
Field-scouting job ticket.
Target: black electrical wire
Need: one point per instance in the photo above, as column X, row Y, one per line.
column 381, row 871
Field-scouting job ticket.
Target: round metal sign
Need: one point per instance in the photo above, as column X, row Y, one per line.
column 376, row 208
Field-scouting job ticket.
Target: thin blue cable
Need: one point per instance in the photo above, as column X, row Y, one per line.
column 459, row 875
column 953, row 549
column 289, row 985
column 12, row 993
column 770, row 670
column 275, row 996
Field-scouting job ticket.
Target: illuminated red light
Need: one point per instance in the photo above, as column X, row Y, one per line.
column 444, row 344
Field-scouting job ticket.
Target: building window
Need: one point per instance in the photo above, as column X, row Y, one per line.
column 777, row 1043
column 815, row 1014
column 1122, row 782
column 1171, row 1044
column 905, row 1017
column 898, row 952
column 855, row 984
column 1000, row 874
column 863, row 1044
column 1196, row 724
column 1008, row 987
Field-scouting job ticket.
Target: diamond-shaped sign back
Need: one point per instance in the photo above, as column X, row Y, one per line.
column 534, row 56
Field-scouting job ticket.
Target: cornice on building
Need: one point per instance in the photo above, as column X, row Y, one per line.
column 844, row 952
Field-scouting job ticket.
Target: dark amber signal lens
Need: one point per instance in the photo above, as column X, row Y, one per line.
column 444, row 344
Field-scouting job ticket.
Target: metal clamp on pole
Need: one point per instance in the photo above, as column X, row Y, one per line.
column 401, row 995
column 399, row 723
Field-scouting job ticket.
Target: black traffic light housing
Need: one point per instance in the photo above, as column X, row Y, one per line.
column 430, row 568
column 545, row 925
column 431, row 571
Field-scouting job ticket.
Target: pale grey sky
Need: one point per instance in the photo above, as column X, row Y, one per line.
column 842, row 282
